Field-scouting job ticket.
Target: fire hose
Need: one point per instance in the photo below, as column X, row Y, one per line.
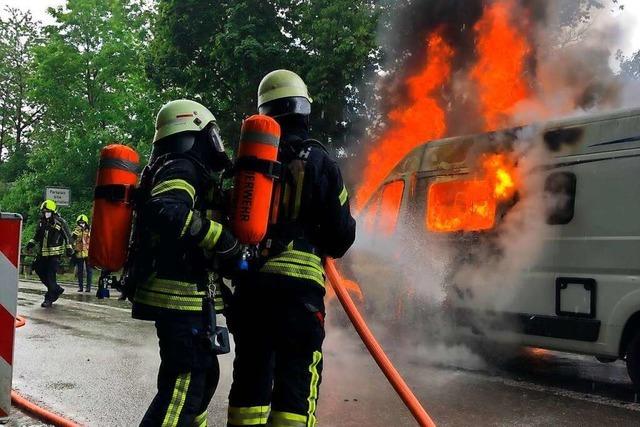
column 385, row 364
column 31, row 408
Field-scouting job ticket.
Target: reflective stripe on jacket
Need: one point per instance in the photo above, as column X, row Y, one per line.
column 53, row 236
column 296, row 264
column 170, row 294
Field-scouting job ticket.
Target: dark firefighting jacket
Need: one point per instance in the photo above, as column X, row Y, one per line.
column 176, row 262
column 53, row 236
column 311, row 216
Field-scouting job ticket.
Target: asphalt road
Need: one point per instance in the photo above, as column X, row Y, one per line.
column 88, row 359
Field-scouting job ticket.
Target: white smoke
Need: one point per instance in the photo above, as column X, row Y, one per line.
column 408, row 279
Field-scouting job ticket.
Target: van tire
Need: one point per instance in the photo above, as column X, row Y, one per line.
column 633, row 360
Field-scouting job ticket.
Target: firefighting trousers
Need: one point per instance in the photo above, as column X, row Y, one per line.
column 188, row 375
column 278, row 329
column 83, row 266
column 46, row 267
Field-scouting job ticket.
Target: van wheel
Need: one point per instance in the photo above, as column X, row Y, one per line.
column 633, row 360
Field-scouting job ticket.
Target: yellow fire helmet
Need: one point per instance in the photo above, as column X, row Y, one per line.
column 182, row 115
column 283, row 92
column 49, row 205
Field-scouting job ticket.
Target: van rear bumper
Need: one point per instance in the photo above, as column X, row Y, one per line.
column 562, row 327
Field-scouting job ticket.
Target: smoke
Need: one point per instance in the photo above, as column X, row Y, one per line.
column 412, row 279
column 567, row 66
column 491, row 271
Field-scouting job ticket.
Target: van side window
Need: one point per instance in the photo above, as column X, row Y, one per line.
column 560, row 197
column 370, row 213
column 390, row 207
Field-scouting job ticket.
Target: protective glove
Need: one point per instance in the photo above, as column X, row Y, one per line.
column 228, row 254
column 30, row 246
column 70, row 252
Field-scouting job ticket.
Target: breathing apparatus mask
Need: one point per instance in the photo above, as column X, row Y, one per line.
column 207, row 145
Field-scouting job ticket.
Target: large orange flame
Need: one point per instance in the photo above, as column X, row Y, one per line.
column 420, row 121
column 503, row 50
column 470, row 204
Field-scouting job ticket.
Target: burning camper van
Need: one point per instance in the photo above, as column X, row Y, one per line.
column 542, row 225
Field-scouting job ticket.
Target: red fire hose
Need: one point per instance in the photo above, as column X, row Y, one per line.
column 392, row 374
column 31, row 408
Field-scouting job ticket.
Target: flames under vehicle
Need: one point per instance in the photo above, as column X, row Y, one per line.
column 581, row 291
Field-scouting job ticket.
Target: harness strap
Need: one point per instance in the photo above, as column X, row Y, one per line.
column 269, row 168
column 117, row 193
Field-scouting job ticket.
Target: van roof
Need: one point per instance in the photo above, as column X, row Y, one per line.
column 579, row 134
column 579, row 119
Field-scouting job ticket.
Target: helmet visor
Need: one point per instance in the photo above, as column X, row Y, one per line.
column 286, row 106
column 215, row 139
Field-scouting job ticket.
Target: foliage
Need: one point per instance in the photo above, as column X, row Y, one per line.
column 90, row 84
column 218, row 51
column 19, row 35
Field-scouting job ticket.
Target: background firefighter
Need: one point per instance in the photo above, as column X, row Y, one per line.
column 80, row 237
column 277, row 316
column 54, row 240
column 180, row 232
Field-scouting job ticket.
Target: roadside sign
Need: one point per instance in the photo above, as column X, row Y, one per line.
column 60, row 195
column 10, row 228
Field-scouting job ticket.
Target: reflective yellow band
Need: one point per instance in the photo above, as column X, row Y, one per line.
column 187, row 223
column 173, row 287
column 287, row 419
column 292, row 270
column 172, row 302
column 313, row 389
column 175, row 184
column 201, row 420
column 212, row 236
column 300, row 256
column 344, row 195
column 248, row 416
column 53, row 250
column 295, row 260
column 177, row 400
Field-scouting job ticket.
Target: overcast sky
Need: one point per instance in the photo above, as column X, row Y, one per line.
column 630, row 17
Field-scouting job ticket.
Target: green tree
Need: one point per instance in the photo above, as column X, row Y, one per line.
column 91, row 85
column 19, row 36
column 218, row 51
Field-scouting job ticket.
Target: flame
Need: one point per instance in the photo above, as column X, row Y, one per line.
column 422, row 120
column 503, row 50
column 500, row 173
column 463, row 205
column 471, row 204
column 352, row 287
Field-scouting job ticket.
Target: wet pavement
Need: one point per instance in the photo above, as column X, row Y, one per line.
column 86, row 358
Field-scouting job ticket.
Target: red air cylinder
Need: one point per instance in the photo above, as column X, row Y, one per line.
column 256, row 167
column 112, row 207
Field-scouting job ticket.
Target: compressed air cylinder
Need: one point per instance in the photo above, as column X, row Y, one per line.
column 113, row 206
column 255, row 166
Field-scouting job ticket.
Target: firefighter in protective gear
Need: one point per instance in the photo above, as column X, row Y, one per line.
column 80, row 238
column 181, row 233
column 277, row 314
column 54, row 240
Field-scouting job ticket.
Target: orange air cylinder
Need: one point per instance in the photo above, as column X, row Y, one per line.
column 113, row 207
column 255, row 165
